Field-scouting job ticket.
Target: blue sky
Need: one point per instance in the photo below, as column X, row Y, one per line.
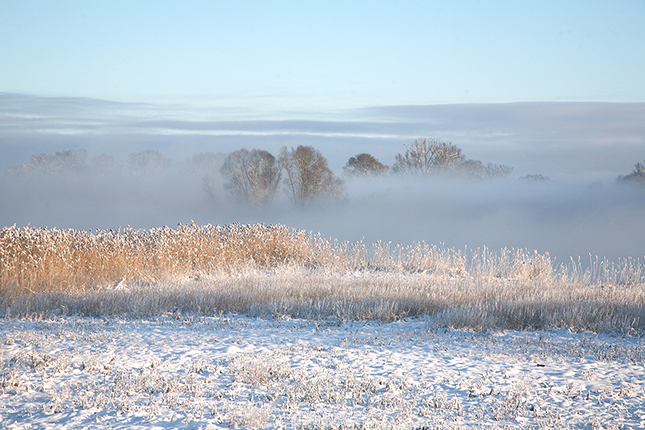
column 282, row 55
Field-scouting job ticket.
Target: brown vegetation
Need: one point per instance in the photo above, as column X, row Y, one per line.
column 277, row 271
column 35, row 260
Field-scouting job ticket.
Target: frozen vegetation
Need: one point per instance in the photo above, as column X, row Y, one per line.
column 263, row 326
column 187, row 371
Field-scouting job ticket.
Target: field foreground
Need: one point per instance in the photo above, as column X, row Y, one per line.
column 231, row 371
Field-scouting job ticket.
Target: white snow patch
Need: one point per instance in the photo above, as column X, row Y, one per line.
column 241, row 372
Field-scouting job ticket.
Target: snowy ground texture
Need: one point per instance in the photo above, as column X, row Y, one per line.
column 230, row 371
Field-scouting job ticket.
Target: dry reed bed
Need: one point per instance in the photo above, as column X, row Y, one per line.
column 37, row 260
column 275, row 271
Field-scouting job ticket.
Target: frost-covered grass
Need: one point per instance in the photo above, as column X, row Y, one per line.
column 273, row 271
column 231, row 371
column 266, row 327
column 454, row 301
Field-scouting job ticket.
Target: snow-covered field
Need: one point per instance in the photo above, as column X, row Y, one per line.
column 232, row 371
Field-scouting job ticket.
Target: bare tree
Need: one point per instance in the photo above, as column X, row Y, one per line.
column 497, row 171
column 252, row 176
column 307, row 175
column 636, row 177
column 426, row 156
column 365, row 165
column 472, row 169
column 432, row 156
column 208, row 165
column 478, row 171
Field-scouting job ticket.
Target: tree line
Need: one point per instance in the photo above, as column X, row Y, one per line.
column 255, row 176
column 428, row 157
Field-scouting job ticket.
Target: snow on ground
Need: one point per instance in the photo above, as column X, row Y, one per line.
column 240, row 372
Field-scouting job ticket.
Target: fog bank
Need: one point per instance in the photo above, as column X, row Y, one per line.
column 562, row 219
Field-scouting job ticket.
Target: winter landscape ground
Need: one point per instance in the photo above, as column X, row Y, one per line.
column 231, row 371
column 267, row 327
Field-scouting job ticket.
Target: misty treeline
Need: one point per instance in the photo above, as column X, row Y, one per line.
column 246, row 176
column 302, row 173
column 78, row 160
column 428, row 157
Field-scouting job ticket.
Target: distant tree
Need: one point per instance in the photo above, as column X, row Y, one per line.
column 73, row 160
column 472, row 169
column 365, row 165
column 307, row 175
column 252, row 176
column 433, row 156
column 497, row 171
column 427, row 156
column 636, row 177
column 148, row 160
column 536, row 178
column 478, row 171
